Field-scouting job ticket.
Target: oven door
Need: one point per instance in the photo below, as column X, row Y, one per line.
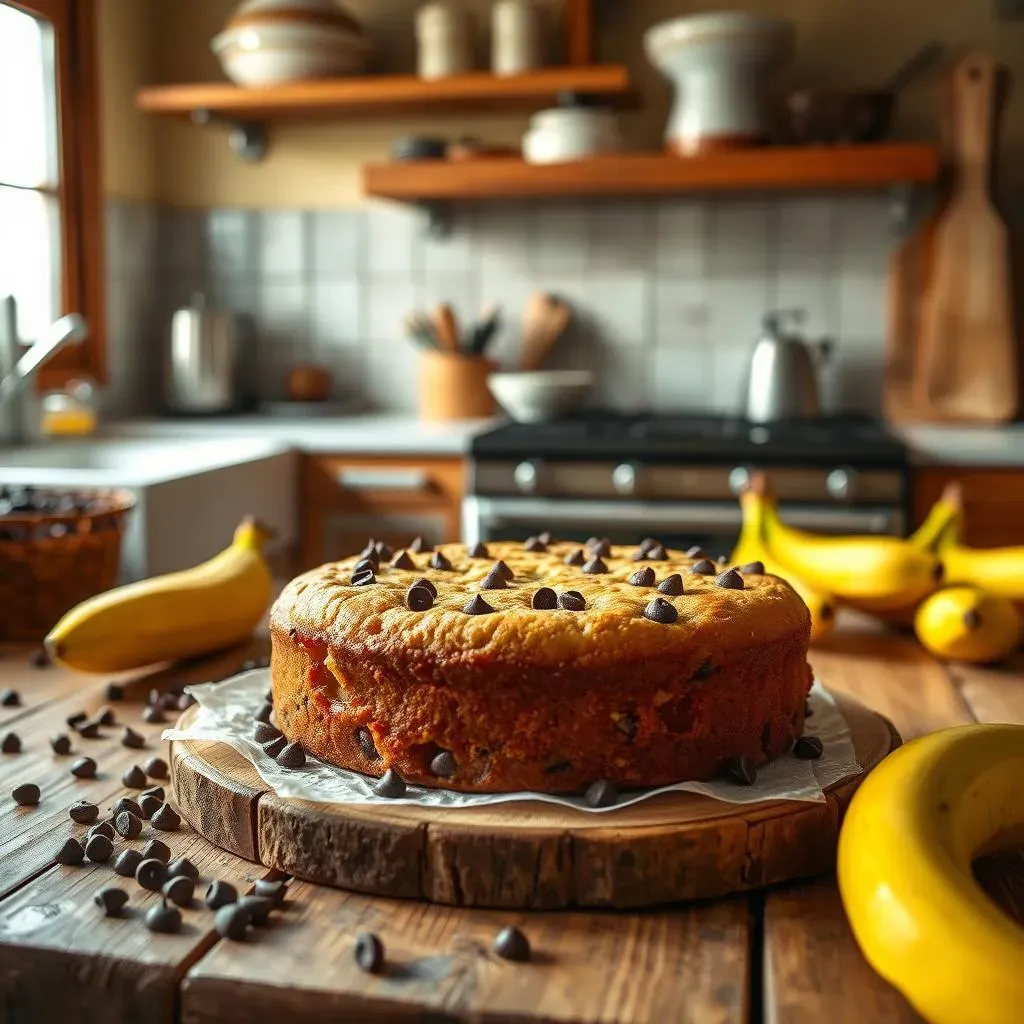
column 713, row 525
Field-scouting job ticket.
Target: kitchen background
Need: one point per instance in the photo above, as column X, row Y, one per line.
column 668, row 294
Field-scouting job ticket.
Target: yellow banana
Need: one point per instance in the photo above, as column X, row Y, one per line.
column 1000, row 571
column 904, row 865
column 964, row 623
column 751, row 548
column 179, row 615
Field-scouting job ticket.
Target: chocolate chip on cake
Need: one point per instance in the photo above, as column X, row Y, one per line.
column 126, row 803
column 730, row 580
column 740, row 770
column 84, row 768
column 274, row 747
column 443, row 764
column 601, row 794
column 364, row 578
column 127, row 863
column 99, row 848
column 705, row 567
column 153, row 715
column 163, row 920
column 752, row 568
column 128, row 825
column 384, row 551
column 134, row 777
column 600, row 547
column 650, row 542
column 419, row 599
column 111, row 900
column 545, row 537
column 424, row 582
column 576, row 558
column 83, row 812
column 166, row 819
column 696, row 552
column 511, row 944
column 643, row 577
column 233, row 921
column 264, row 713
column 439, row 561
column 11, row 744
column 419, row 546
column 595, row 567
column 71, row 853
column 220, row 894
column 657, row 554
column 365, row 740
column 156, row 768
column 132, row 739
column 292, row 756
column 402, row 561
column 479, row 550
column 534, row 544
column 26, row 795
column 369, row 953
column 477, row 606
column 572, row 601
column 390, row 785
column 61, row 743
column 156, row 849
column 10, row 698
column 671, row 585
column 808, row 748
column 660, row 610
column 545, row 599
column 363, row 565
column 264, row 732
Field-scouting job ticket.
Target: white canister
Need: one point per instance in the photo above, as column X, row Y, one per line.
column 515, row 37
column 570, row 133
column 444, row 39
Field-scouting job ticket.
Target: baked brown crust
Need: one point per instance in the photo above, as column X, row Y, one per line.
column 539, row 700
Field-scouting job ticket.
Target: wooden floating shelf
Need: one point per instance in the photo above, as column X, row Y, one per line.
column 782, row 168
column 383, row 95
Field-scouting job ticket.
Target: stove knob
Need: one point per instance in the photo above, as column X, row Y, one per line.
column 841, row 484
column 527, row 476
column 624, row 478
column 739, row 480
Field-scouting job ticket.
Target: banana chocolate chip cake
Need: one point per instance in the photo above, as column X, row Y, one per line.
column 542, row 666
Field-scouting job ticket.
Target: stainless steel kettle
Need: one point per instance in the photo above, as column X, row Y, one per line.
column 209, row 358
column 782, row 382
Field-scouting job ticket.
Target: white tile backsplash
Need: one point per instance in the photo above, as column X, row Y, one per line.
column 393, row 236
column 231, row 243
column 336, row 314
column 339, row 243
column 284, row 244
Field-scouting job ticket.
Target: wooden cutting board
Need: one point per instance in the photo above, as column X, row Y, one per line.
column 966, row 351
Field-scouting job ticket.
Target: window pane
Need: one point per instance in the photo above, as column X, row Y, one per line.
column 28, row 100
column 30, row 260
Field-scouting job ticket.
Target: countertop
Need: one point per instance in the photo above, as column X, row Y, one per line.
column 965, row 446
column 784, row 954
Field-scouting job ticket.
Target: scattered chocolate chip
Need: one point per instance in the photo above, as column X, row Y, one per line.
column 438, row 561
column 105, row 716
column 179, row 890
column 61, row 743
column 500, row 567
column 364, row 579
column 572, row 601
column 419, row 599
column 479, row 550
column 696, row 552
column 601, row 794
column 808, row 748
column 163, row 919
column 134, row 777
column 169, row 701
column 127, row 863
column 740, row 770
column 132, row 739
column 184, row 868
column 232, row 921
column 102, row 828
column 705, row 567
column 126, row 803
column 660, row 610
column 149, row 805
column 166, row 819
column 365, row 740
column 511, row 944
column 534, row 544
column 115, row 691
column 595, row 567
column 402, row 561
column 99, row 848
column 752, row 568
column 600, row 547
column 88, row 730
column 443, row 764
column 643, row 577
column 156, row 768
column 128, row 825
column 153, row 715
column 545, row 599
column 426, row 584
column 369, row 953
column 84, row 768
column 185, row 701
column 730, row 580
column 10, row 698
column 220, row 894
column 494, row 581
column 420, row 546
column 83, row 812
column 264, row 713
column 576, row 558
column 638, row 556
column 111, row 900
column 274, row 889
column 156, row 849
column 365, row 565
column 11, row 744
column 259, row 908
column 157, row 791
column 657, row 554
column 71, row 853
column 477, row 606
column 650, row 542
column 74, row 720
column 26, row 795
column 704, row 670
column 151, row 874
column 264, row 732
column 40, row 658
column 671, row 585
column 292, row 756
column 390, row 785
column 274, row 747
column 384, row 551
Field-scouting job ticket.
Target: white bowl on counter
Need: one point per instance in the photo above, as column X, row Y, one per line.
column 537, row 395
column 271, row 42
column 570, row 133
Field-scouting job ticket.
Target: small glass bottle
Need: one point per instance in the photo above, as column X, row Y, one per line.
column 515, row 37
column 70, row 412
column 444, row 38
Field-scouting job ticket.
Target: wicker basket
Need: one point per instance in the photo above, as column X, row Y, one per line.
column 54, row 559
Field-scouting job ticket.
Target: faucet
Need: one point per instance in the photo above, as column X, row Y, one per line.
column 16, row 373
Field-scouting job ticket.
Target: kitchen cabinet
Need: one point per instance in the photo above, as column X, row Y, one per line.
column 993, row 502
column 347, row 499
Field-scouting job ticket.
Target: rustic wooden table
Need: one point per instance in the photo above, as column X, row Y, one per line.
column 781, row 955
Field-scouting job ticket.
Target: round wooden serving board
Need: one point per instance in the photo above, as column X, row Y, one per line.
column 677, row 846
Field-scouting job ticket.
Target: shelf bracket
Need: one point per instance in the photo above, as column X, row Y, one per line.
column 438, row 220
column 248, row 139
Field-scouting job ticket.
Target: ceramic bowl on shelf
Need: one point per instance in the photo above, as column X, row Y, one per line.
column 271, row 42
column 719, row 65
column 570, row 133
column 537, row 395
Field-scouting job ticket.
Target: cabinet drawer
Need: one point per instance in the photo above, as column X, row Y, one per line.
column 383, row 483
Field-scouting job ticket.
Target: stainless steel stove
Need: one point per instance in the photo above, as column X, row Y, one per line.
column 678, row 477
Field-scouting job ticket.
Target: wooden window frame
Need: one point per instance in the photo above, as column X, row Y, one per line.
column 80, row 185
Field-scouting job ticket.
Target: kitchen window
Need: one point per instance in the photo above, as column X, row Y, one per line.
column 51, row 228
